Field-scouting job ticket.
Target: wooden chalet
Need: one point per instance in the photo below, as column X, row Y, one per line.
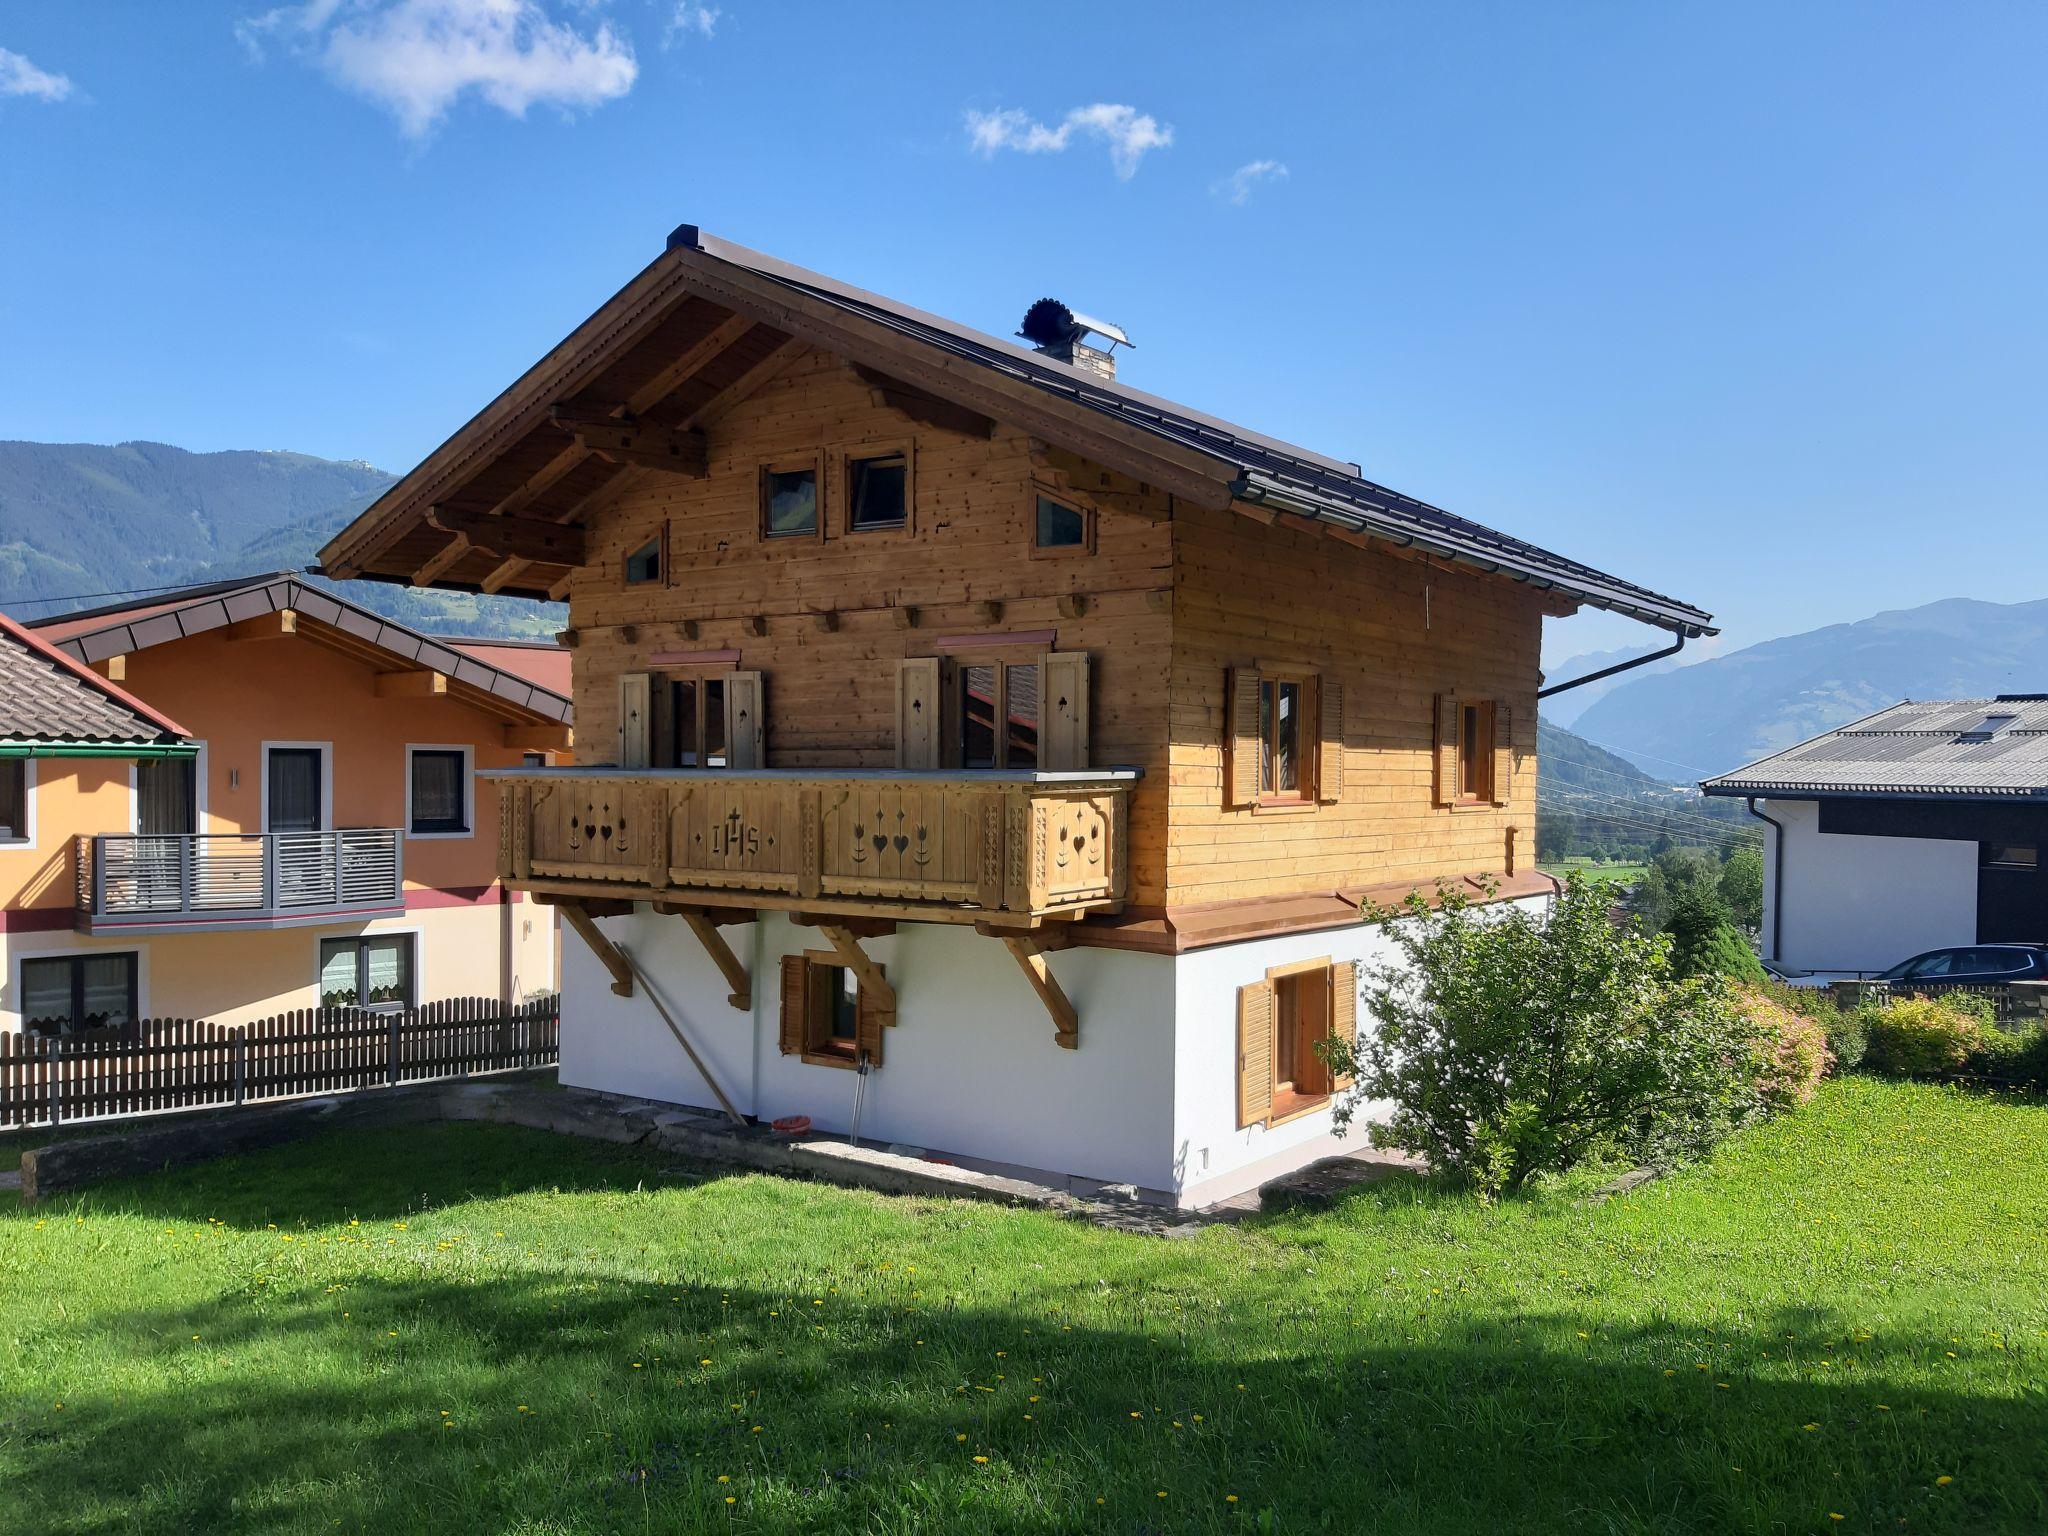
column 949, row 676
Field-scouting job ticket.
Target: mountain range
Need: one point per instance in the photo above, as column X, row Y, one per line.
column 87, row 523
column 1692, row 722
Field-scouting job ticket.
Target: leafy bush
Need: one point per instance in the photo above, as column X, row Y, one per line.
column 1848, row 1037
column 1920, row 1037
column 1741, row 886
column 1514, row 1043
column 1796, row 1053
column 1704, row 941
column 2012, row 1058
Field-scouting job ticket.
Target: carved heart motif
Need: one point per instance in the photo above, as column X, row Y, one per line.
column 902, row 842
column 881, row 841
column 589, row 829
column 1080, row 842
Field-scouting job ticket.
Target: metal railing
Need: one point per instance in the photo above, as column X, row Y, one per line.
column 234, row 877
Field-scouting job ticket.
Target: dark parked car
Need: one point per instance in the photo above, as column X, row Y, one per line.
column 1972, row 965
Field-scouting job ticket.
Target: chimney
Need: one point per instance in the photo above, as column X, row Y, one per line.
column 1057, row 331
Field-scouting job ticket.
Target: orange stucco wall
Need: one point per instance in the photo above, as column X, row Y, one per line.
column 234, row 696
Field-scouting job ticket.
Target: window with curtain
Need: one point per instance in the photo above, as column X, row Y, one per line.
column 438, row 786
column 366, row 973
column 65, row 994
column 165, row 802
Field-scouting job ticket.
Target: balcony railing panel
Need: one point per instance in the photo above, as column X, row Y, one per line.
column 1017, row 843
column 236, row 877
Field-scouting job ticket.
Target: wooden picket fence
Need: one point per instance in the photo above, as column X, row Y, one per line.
column 160, row 1064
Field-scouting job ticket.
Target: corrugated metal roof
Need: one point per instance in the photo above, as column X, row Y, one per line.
column 46, row 697
column 1922, row 749
column 116, row 631
column 1333, row 490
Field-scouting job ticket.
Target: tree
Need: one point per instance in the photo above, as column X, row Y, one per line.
column 1742, row 887
column 1704, row 941
column 1514, row 1042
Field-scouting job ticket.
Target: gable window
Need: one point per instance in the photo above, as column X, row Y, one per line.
column 643, row 565
column 877, row 491
column 996, row 714
column 1282, row 1022
column 15, row 784
column 828, row 1018
column 1057, row 526
column 66, row 994
column 367, row 973
column 1286, row 738
column 789, row 500
column 438, row 795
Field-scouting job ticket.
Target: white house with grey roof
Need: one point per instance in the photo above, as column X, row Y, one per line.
column 1918, row 828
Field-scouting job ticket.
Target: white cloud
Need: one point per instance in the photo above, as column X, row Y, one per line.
column 417, row 57
column 1128, row 132
column 688, row 18
column 1237, row 186
column 18, row 77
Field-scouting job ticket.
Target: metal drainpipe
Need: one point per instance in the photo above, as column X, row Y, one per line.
column 1777, row 877
column 1624, row 666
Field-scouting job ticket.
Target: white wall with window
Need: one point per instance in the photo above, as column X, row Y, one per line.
column 70, row 991
column 370, row 971
column 1854, row 904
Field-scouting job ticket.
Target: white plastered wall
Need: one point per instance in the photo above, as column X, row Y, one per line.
column 1864, row 903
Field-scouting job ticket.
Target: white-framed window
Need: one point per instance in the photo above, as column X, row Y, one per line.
column 17, row 802
column 440, row 790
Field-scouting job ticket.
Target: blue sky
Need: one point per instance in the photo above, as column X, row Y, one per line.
column 1744, row 303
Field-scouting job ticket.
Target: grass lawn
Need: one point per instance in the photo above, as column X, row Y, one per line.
column 1598, row 873
column 1841, row 1324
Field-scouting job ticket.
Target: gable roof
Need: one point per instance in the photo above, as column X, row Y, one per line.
column 541, row 662
column 1924, row 750
column 483, row 679
column 513, row 458
column 48, row 699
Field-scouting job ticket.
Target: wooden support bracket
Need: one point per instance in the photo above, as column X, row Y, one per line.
column 627, row 440
column 856, row 960
column 728, row 963
column 574, row 914
column 1030, row 959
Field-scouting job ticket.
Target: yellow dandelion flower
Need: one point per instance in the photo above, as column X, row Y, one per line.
column 981, row 1460
column 1943, row 1481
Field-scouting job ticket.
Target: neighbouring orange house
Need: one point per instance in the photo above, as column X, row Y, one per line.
column 322, row 838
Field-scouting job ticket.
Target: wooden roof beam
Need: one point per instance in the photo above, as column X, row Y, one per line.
column 411, row 685
column 721, row 404
column 688, row 364
column 266, row 626
column 525, row 538
column 452, row 554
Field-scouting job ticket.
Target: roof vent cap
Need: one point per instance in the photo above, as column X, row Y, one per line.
column 1057, row 331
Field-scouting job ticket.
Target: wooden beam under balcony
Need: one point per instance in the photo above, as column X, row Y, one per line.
column 540, row 738
column 855, row 959
column 1030, row 958
column 704, row 925
column 578, row 917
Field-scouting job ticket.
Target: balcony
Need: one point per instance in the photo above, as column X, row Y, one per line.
column 226, row 880
column 1007, row 848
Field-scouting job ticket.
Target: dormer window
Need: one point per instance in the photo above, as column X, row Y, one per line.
column 877, row 491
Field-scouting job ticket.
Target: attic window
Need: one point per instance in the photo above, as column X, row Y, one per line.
column 1991, row 727
column 877, row 491
column 789, row 501
column 644, row 564
column 1057, row 526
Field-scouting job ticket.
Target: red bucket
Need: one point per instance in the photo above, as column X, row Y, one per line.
column 791, row 1125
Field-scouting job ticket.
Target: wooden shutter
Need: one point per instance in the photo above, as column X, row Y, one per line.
column 1241, row 764
column 1255, row 1053
column 1344, row 1011
column 1503, row 753
column 870, row 1020
column 917, row 713
column 1063, row 709
column 745, row 728
column 796, row 1003
column 1330, row 727
column 1449, row 712
column 636, row 695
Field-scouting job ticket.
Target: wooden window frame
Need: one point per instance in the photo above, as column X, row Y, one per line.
column 1339, row 1012
column 795, row 463
column 1073, row 504
column 1477, row 789
column 814, row 1051
column 953, row 743
column 662, row 736
column 882, row 448
column 659, row 539
column 1307, row 732
column 1298, row 1102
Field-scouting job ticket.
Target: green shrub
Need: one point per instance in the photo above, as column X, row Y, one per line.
column 1514, row 1043
column 1704, row 941
column 2015, row 1058
column 1920, row 1037
column 1848, row 1035
column 1795, row 1052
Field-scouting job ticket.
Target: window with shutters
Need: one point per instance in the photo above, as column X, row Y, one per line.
column 1286, row 747
column 996, row 712
column 828, row 1018
column 690, row 725
column 1474, row 754
column 701, row 717
column 1282, row 1022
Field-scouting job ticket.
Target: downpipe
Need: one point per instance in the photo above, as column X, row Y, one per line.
column 1777, row 878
